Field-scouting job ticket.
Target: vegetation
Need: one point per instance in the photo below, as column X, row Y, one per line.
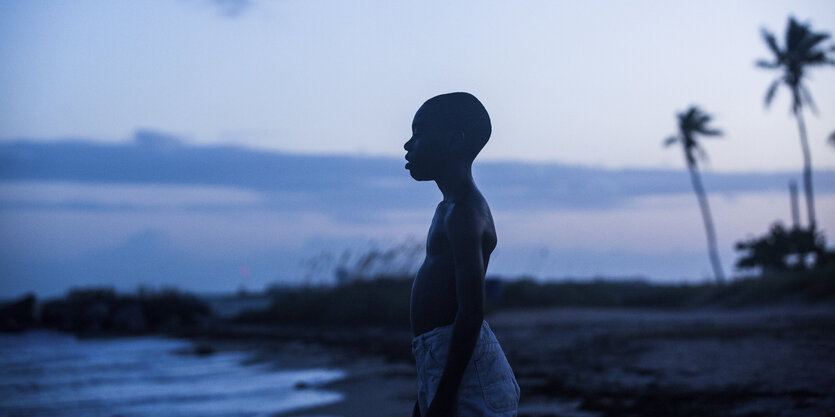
column 802, row 50
column 782, row 250
column 789, row 286
column 383, row 301
column 693, row 123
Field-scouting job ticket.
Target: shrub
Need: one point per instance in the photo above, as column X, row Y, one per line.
column 381, row 301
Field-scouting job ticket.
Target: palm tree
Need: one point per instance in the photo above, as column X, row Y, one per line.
column 691, row 123
column 802, row 50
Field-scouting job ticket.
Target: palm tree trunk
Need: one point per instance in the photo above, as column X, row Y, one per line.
column 794, row 205
column 807, row 170
column 712, row 250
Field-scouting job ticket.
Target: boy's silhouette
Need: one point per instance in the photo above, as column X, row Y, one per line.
column 461, row 367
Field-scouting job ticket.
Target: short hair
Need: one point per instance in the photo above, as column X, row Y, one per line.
column 463, row 112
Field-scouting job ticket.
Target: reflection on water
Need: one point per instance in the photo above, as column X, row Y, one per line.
column 53, row 374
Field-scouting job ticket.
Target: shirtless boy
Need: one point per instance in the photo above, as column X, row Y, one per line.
column 461, row 368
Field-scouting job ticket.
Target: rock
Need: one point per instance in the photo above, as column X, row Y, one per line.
column 130, row 318
column 203, row 350
column 18, row 315
column 94, row 318
column 58, row 315
column 197, row 349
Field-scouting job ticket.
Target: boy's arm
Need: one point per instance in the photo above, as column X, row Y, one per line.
column 465, row 228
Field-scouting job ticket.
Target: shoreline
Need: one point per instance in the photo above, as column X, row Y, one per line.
column 372, row 388
column 374, row 385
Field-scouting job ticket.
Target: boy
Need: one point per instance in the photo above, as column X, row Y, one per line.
column 462, row 370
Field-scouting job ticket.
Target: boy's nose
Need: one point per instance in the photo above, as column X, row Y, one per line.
column 407, row 145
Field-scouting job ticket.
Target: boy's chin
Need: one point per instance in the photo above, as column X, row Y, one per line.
column 418, row 176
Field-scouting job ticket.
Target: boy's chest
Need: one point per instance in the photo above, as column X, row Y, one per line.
column 437, row 242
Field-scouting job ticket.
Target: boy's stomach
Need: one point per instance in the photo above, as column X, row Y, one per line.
column 433, row 300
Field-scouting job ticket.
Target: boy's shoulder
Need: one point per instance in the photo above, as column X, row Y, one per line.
column 467, row 212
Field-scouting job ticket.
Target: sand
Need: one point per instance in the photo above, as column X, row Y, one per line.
column 777, row 361
column 372, row 389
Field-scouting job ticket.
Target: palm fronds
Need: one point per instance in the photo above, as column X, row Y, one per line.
column 802, row 49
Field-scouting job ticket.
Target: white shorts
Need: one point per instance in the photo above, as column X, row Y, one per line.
column 488, row 387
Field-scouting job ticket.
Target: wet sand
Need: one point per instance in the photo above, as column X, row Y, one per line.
column 373, row 386
column 371, row 389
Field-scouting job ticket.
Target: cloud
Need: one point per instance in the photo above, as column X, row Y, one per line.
column 126, row 197
column 349, row 186
column 158, row 210
column 231, row 8
column 154, row 140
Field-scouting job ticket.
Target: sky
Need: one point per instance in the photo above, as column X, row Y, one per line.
column 581, row 95
column 595, row 83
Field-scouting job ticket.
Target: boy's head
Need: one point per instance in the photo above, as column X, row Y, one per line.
column 447, row 129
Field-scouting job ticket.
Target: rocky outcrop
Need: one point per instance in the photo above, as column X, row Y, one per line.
column 102, row 311
column 18, row 315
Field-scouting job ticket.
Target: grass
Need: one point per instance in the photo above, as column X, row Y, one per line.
column 796, row 286
column 384, row 301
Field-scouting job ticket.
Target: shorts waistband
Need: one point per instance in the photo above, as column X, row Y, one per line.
column 444, row 334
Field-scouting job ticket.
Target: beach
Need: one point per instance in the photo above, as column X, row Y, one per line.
column 770, row 361
column 578, row 362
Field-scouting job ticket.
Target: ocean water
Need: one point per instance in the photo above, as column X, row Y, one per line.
column 54, row 374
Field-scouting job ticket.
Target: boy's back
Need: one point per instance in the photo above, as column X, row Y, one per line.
column 461, row 367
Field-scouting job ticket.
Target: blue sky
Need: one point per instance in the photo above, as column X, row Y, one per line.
column 283, row 124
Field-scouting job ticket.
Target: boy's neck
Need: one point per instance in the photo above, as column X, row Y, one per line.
column 457, row 183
